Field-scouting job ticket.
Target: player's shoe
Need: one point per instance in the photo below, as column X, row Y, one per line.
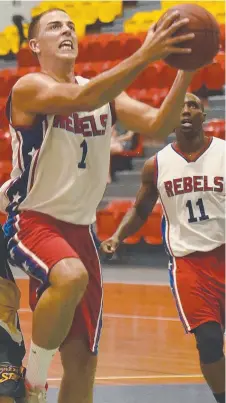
column 36, row 394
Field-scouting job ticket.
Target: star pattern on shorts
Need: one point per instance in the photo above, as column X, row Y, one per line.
column 25, row 266
column 12, row 254
column 32, row 152
column 16, row 197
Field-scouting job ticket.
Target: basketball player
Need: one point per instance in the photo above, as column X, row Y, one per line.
column 188, row 178
column 12, row 348
column 61, row 131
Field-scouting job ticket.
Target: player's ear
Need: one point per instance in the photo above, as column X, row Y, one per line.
column 34, row 46
column 203, row 116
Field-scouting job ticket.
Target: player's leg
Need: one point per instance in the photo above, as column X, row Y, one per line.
column 210, row 335
column 198, row 283
column 209, row 339
column 79, row 366
column 79, row 350
column 55, row 309
column 45, row 254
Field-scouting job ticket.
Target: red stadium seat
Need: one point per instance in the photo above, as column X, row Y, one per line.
column 4, row 124
column 129, row 43
column 216, row 128
column 119, row 208
column 214, row 76
column 167, row 75
column 106, row 224
column 88, row 70
column 112, row 48
column 25, row 58
column 157, row 96
column 152, row 228
column 197, row 81
column 2, row 218
column 220, row 58
column 5, row 170
column 4, row 85
column 5, row 146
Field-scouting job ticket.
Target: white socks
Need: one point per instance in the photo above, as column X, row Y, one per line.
column 38, row 365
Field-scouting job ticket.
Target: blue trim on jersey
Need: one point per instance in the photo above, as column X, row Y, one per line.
column 96, row 346
column 163, row 229
column 171, row 268
column 95, row 238
column 32, row 139
column 173, row 289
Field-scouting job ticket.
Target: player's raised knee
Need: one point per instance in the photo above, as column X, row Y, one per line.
column 69, row 274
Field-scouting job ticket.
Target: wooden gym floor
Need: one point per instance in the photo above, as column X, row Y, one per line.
column 145, row 355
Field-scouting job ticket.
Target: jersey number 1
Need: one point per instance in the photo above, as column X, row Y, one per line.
column 202, row 216
column 82, row 163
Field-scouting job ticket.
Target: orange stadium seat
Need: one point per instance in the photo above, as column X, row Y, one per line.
column 152, row 228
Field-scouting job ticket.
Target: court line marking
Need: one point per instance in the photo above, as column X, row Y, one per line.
column 118, row 378
column 142, row 317
column 126, row 282
column 121, row 316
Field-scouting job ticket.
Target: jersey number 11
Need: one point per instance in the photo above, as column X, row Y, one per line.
column 202, row 216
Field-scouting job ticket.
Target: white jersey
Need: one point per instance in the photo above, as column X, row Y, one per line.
column 61, row 165
column 193, row 198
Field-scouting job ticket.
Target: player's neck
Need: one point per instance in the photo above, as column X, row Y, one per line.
column 191, row 145
column 61, row 72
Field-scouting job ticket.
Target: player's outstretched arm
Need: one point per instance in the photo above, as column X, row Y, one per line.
column 40, row 94
column 152, row 122
column 136, row 217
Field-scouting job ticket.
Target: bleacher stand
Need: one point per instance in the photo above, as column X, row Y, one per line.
column 99, row 52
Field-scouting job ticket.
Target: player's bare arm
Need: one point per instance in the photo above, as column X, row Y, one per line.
column 145, row 201
column 153, row 122
column 39, row 94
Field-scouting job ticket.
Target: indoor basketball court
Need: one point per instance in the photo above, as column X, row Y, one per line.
column 145, row 354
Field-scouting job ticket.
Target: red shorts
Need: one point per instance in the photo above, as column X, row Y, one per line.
column 36, row 243
column 198, row 285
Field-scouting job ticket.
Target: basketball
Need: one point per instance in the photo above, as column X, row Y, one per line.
column 206, row 43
